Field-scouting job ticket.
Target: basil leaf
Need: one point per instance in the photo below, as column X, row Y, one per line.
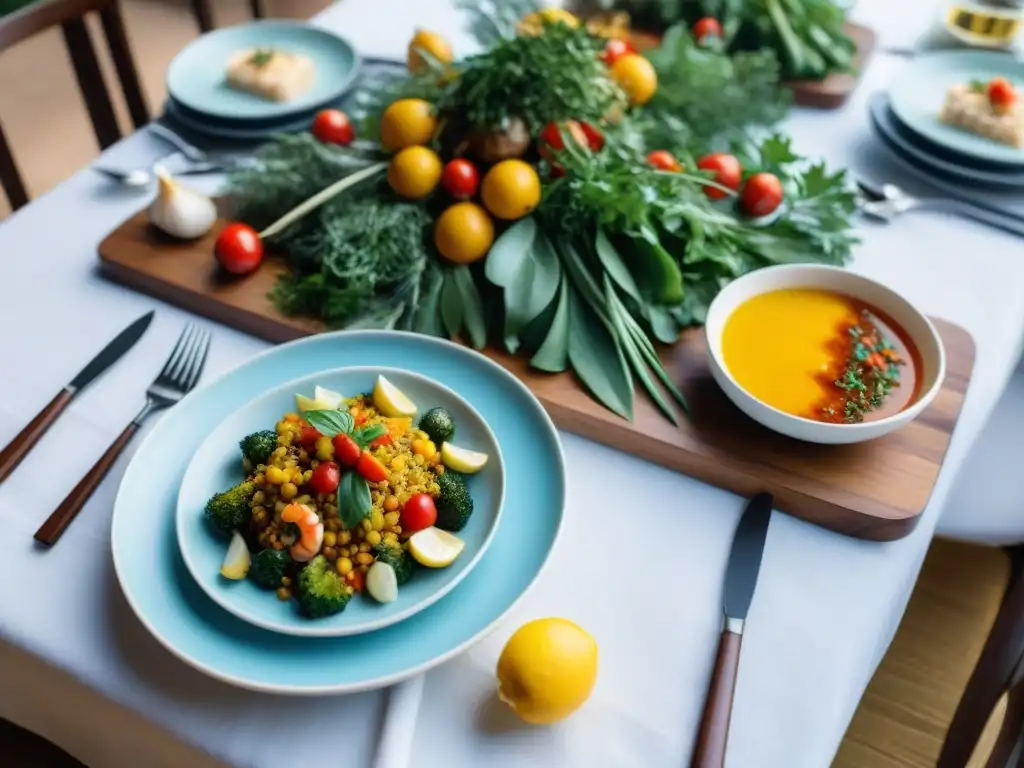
column 330, row 423
column 366, row 435
column 472, row 307
column 354, row 501
column 552, row 355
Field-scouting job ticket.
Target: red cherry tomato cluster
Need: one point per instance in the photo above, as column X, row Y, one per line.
column 332, row 126
column 325, row 477
column 238, row 249
column 308, row 437
column 727, row 173
column 615, row 50
column 706, row 27
column 460, row 179
column 370, row 468
column 346, row 451
column 664, row 161
column 419, row 512
column 761, row 194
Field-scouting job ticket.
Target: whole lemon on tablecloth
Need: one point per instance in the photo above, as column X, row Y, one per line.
column 431, row 43
column 547, row 670
column 406, row 123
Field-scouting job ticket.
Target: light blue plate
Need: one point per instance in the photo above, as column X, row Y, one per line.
column 253, row 132
column 193, row 627
column 196, row 76
column 917, row 96
column 216, row 466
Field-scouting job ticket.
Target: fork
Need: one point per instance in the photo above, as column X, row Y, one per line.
column 177, row 379
column 888, row 201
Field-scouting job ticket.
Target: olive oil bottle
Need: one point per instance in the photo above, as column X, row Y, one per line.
column 984, row 24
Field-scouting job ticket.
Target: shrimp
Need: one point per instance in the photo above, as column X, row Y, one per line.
column 311, row 532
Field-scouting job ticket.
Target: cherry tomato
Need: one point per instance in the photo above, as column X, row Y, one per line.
column 1001, row 93
column 370, row 468
column 419, row 512
column 345, row 450
column 595, row 139
column 551, row 136
column 706, row 27
column 239, row 249
column 308, row 437
column 382, row 440
column 615, row 50
column 762, row 194
column 325, row 477
column 357, row 579
column 460, row 179
column 727, row 173
column 332, row 126
column 664, row 161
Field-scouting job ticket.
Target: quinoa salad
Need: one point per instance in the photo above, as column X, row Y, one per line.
column 346, row 495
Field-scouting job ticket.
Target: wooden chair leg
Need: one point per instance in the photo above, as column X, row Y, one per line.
column 204, row 18
column 90, row 81
column 120, row 52
column 993, row 675
column 257, row 9
column 10, row 179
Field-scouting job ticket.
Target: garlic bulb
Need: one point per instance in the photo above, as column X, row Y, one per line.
column 180, row 211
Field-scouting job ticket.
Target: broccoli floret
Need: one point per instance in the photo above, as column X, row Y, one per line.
column 258, row 446
column 397, row 558
column 454, row 505
column 439, row 425
column 321, row 591
column 268, row 566
column 229, row 511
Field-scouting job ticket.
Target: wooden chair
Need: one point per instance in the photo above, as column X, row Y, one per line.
column 23, row 749
column 204, row 14
column 70, row 15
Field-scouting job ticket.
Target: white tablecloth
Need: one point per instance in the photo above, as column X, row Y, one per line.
column 825, row 610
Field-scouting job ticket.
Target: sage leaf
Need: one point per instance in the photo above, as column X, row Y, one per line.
column 615, row 267
column 553, row 354
column 451, row 305
column 330, row 422
column 583, row 281
column 597, row 359
column 472, row 306
column 663, row 325
column 427, row 319
column 505, row 260
column 354, row 502
column 656, row 273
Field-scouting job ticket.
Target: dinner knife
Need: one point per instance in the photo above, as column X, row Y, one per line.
column 11, row 456
column 740, row 580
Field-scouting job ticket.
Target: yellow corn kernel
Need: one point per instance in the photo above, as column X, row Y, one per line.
column 366, row 524
column 391, row 539
column 439, row 469
column 297, row 476
column 343, row 566
column 364, row 547
column 330, row 538
column 390, row 504
column 396, row 528
column 403, row 497
column 364, row 558
column 275, row 476
column 376, row 520
column 418, row 460
column 398, row 463
column 280, row 427
column 260, row 479
column 373, row 538
column 324, row 448
column 288, row 490
column 429, row 449
column 418, row 446
column 390, row 518
column 345, row 537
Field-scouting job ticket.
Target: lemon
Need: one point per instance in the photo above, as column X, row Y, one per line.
column 533, row 23
column 435, row 548
column 407, row 123
column 462, row 459
column 304, row 403
column 510, row 190
column 636, row 76
column 236, row 559
column 415, row 172
column 328, row 399
column 463, row 233
column 425, row 41
column 390, row 400
column 547, row 670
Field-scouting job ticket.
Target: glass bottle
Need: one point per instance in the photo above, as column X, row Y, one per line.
column 980, row 24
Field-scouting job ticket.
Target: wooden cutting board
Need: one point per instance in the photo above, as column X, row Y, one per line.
column 873, row 490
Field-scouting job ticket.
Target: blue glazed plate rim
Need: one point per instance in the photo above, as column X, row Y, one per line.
column 269, row 111
column 310, row 628
column 412, row 671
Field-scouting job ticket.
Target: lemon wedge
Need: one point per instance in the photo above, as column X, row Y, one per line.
column 435, row 548
column 328, row 399
column 236, row 560
column 304, row 403
column 391, row 401
column 462, row 459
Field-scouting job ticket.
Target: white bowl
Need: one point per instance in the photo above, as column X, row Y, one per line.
column 920, row 330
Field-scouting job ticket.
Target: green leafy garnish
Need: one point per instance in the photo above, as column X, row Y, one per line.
column 261, row 57
column 354, row 502
column 330, row 422
column 366, row 435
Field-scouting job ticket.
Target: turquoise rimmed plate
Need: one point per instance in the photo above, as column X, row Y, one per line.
column 216, row 466
column 190, row 625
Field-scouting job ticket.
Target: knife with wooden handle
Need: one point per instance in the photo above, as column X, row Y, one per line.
column 740, row 580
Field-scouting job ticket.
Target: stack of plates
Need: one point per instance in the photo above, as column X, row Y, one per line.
column 200, row 100
column 907, row 121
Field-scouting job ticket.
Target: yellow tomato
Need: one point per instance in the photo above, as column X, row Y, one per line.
column 511, row 189
column 636, row 76
column 533, row 23
column 406, row 123
column 547, row 670
column 431, row 43
column 463, row 233
column 415, row 172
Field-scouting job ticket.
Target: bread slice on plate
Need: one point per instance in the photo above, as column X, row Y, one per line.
column 271, row 74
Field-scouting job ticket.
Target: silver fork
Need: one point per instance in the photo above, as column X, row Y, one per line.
column 178, row 377
column 887, row 201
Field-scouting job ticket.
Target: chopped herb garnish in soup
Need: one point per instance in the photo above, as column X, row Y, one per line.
column 821, row 355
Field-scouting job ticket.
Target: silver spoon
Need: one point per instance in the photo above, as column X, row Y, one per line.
column 142, row 177
column 192, row 153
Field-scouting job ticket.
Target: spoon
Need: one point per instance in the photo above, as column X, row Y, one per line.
column 192, row 153
column 141, row 177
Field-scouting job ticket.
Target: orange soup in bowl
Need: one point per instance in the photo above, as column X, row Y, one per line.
column 821, row 355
